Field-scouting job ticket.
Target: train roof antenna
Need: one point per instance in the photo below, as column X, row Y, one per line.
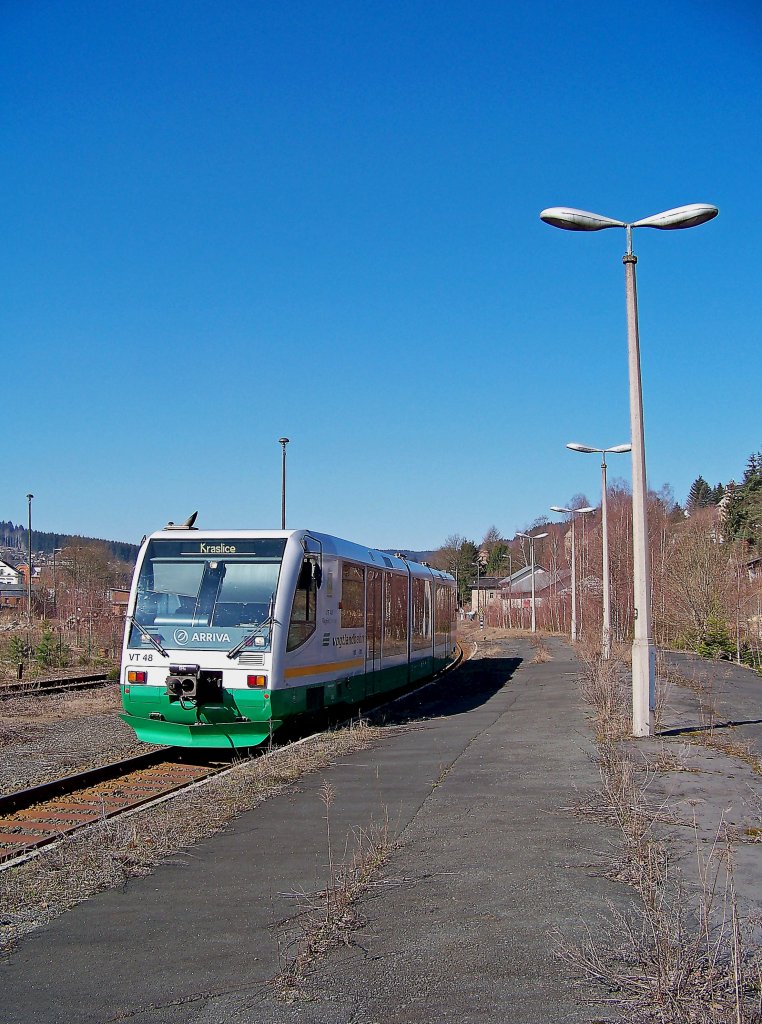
column 187, row 525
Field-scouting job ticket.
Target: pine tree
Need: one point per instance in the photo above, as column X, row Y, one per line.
column 45, row 652
column 700, row 495
column 753, row 470
column 743, row 513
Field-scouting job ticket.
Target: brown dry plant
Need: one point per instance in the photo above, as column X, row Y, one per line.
column 330, row 917
column 678, row 954
column 602, row 688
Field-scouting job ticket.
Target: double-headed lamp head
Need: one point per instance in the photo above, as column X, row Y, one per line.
column 581, row 220
column 617, row 448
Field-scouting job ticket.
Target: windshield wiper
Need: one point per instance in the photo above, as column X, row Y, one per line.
column 144, row 632
column 253, row 632
column 250, row 636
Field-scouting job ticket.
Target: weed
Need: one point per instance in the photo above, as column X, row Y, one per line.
column 329, row 917
column 678, row 954
column 602, row 688
column 541, row 652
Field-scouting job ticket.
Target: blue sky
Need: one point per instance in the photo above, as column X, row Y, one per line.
column 225, row 222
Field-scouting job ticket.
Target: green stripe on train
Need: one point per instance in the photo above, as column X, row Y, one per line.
column 247, row 718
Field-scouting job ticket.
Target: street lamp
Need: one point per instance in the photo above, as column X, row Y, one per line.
column 617, row 449
column 509, row 556
column 283, row 441
column 478, row 564
column 56, row 551
column 29, row 574
column 573, row 512
column 531, row 539
column 643, row 652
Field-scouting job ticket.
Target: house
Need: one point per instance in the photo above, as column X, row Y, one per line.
column 12, row 586
column 487, row 590
column 118, row 599
column 9, row 574
column 516, row 590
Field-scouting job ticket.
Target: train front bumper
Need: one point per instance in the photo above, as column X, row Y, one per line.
column 242, row 719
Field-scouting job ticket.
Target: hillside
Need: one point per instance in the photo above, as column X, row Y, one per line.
column 14, row 540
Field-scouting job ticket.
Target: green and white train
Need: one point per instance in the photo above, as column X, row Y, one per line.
column 229, row 633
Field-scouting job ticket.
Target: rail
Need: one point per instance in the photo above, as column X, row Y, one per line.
column 37, row 687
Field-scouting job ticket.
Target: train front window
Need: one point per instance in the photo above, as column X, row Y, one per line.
column 206, row 593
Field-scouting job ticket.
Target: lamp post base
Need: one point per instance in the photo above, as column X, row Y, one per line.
column 643, row 688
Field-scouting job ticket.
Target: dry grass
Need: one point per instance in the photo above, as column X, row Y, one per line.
column 680, row 953
column 329, row 917
column 541, row 652
column 36, row 892
column 603, row 689
column 724, row 740
column 727, row 743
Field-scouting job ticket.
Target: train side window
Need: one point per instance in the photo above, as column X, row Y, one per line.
column 395, row 615
column 421, row 637
column 303, row 619
column 352, row 596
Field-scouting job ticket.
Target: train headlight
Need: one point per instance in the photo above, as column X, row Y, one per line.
column 134, row 676
column 256, row 682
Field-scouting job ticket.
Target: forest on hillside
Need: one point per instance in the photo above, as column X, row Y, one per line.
column 16, row 538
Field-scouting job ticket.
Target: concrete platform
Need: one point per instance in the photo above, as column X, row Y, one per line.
column 490, row 863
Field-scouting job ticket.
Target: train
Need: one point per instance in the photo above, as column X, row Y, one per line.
column 231, row 633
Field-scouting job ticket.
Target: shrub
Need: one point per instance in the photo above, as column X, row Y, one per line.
column 716, row 641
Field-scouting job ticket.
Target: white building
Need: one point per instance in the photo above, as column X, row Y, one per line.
column 9, row 576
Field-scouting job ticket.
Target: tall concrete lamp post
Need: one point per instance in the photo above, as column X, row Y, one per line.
column 573, row 512
column 531, row 539
column 603, row 452
column 283, row 441
column 29, row 574
column 643, row 651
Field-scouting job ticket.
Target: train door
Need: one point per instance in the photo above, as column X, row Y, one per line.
column 373, row 620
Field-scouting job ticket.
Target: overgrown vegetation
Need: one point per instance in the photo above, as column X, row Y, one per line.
column 330, row 916
column 682, row 952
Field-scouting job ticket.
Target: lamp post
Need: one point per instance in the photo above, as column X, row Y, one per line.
column 509, row 556
column 573, row 512
column 56, row 551
column 643, row 651
column 29, row 574
column 283, row 441
column 617, row 449
column 531, row 539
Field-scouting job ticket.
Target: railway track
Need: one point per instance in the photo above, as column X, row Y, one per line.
column 48, row 687
column 34, row 818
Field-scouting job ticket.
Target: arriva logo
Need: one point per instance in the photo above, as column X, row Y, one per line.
column 182, row 637
column 217, row 549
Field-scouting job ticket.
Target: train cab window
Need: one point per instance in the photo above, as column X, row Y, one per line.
column 303, row 619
